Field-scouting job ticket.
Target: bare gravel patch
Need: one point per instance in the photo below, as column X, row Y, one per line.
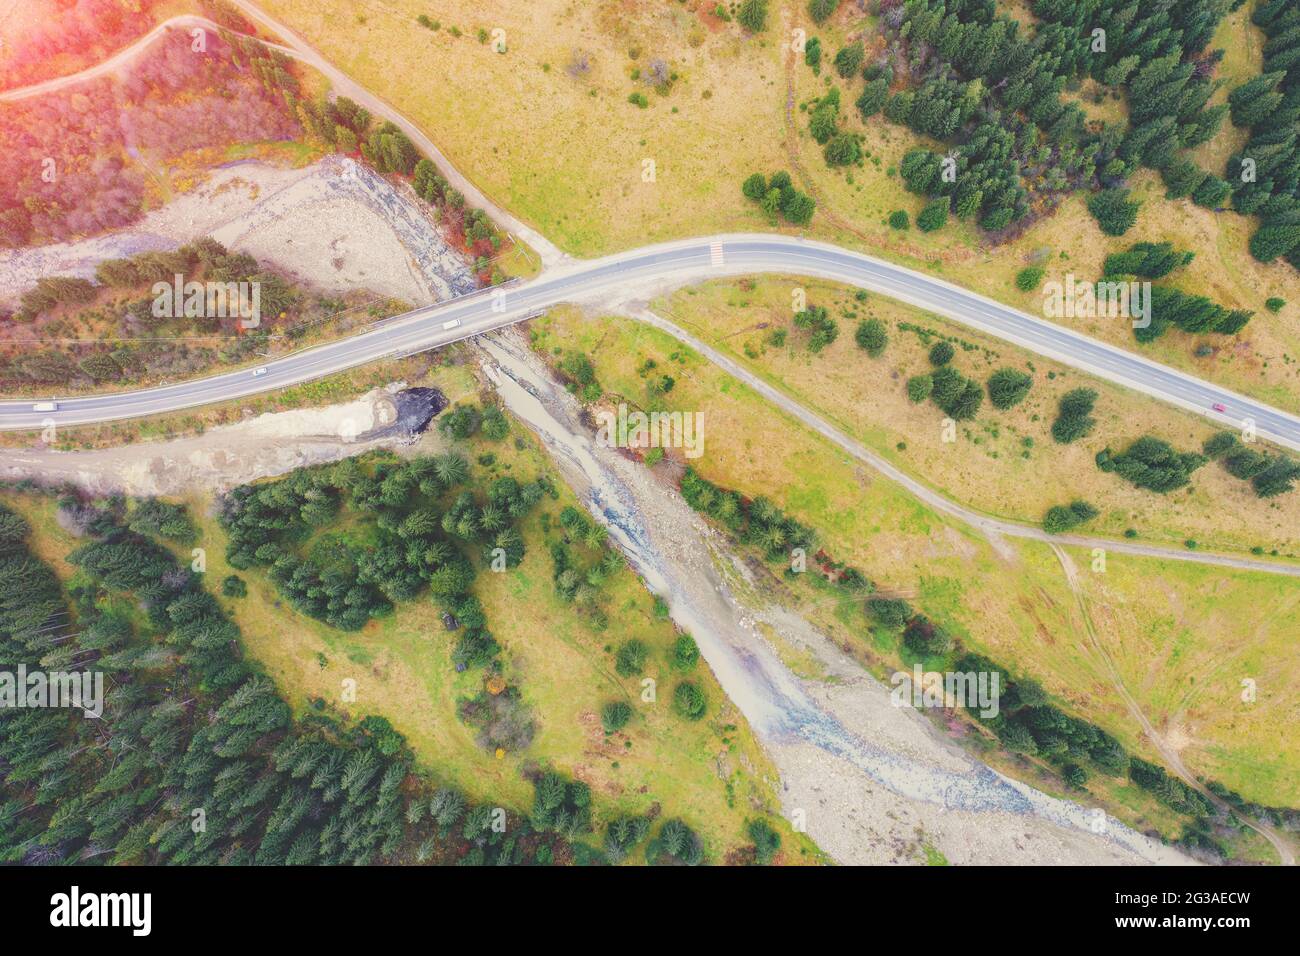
column 335, row 225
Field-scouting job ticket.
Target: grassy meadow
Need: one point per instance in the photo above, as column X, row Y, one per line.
column 546, row 130
column 1004, row 463
column 711, row 772
column 1011, row 601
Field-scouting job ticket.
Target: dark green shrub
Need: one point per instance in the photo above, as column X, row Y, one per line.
column 689, row 701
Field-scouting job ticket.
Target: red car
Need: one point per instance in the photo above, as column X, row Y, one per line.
column 1219, row 407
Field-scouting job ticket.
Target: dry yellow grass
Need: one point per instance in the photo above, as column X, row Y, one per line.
column 713, row 774
column 1017, row 607
column 989, row 468
column 546, row 128
column 1263, row 361
column 1193, row 644
column 538, row 141
column 1243, row 59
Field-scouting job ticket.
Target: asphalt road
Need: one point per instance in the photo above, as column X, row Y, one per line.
column 654, row 269
column 993, row 528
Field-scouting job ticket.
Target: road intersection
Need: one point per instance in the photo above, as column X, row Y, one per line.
column 613, row 278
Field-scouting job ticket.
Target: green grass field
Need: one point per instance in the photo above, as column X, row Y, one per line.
column 1012, row 603
column 553, row 138
column 1004, row 463
column 712, row 773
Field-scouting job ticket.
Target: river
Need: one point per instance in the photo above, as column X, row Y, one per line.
column 870, row 781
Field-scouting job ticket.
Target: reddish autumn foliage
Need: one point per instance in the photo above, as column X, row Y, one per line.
column 79, row 34
column 71, row 163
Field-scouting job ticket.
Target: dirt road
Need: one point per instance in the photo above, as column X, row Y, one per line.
column 994, row 529
column 341, row 84
column 344, row 85
column 272, row 444
column 872, row 782
column 1285, row 852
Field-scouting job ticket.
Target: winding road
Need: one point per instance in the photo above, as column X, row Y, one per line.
column 114, row 63
column 636, row 275
column 644, row 272
column 656, row 268
column 564, row 279
column 991, row 527
column 340, row 83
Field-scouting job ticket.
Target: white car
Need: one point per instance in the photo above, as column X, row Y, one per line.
column 453, row 323
column 45, row 407
column 259, row 371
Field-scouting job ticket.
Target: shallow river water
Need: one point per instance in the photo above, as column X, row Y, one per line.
column 866, row 776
